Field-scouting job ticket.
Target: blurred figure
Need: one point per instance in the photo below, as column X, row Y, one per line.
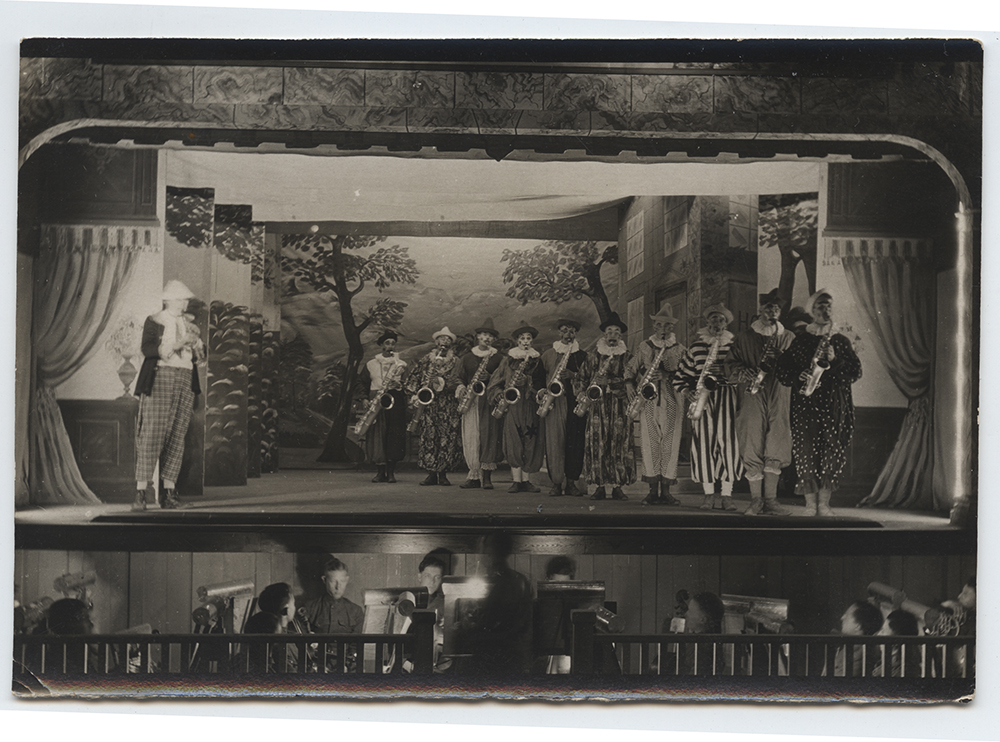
column 499, row 628
column 431, row 574
column 559, row 569
column 66, row 617
column 860, row 619
column 900, row 623
column 704, row 616
column 276, row 613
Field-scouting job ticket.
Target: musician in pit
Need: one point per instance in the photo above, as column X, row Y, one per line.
column 564, row 431
column 762, row 424
column 822, row 413
column 715, row 450
column 511, row 392
column 660, row 412
column 385, row 439
column 603, row 397
column 435, row 410
column 482, row 434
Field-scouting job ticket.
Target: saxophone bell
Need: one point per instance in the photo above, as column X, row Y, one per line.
column 386, row 401
column 556, row 388
column 595, row 392
column 425, row 395
column 649, row 392
column 512, row 395
column 478, row 388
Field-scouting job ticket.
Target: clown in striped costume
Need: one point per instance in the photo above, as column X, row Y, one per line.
column 715, row 450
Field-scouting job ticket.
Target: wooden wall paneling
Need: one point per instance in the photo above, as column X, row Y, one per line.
column 628, row 593
column 394, row 574
column 147, row 596
column 110, row 592
column 925, row 578
column 524, row 563
column 648, row 622
column 282, row 568
column 180, row 593
column 666, row 590
column 51, row 564
column 19, row 593
column 584, row 567
column 744, row 575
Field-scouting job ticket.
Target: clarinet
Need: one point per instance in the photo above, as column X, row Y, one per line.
column 476, row 388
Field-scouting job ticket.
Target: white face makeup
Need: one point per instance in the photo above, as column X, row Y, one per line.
column 770, row 313
column 443, row 342
column 176, row 307
column 613, row 334
column 567, row 334
column 524, row 340
column 388, row 345
column 823, row 309
column 484, row 339
column 716, row 323
column 662, row 327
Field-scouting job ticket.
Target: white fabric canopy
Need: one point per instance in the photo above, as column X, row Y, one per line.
column 292, row 187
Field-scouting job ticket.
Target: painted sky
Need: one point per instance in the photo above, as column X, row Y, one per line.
column 460, row 285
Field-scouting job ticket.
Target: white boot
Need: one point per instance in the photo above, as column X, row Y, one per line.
column 823, row 508
column 810, row 503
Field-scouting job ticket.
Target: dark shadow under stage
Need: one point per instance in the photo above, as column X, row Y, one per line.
column 342, row 510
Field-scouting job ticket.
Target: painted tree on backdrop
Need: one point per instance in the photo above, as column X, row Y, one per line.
column 560, row 271
column 342, row 267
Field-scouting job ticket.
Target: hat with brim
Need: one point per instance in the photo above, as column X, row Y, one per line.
column 614, row 321
column 523, row 329
column 772, row 297
column 176, row 290
column 814, row 298
column 666, row 314
column 444, row 332
column 488, row 328
column 568, row 323
column 387, row 335
column 719, row 308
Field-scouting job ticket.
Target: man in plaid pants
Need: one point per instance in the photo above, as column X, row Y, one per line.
column 166, row 387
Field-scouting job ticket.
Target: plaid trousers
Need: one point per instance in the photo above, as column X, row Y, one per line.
column 164, row 417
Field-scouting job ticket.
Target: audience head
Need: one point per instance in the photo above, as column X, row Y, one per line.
column 277, row 599
column 560, row 569
column 901, row 623
column 70, row 617
column 704, row 614
column 335, row 578
column 431, row 572
column 968, row 595
column 861, row 619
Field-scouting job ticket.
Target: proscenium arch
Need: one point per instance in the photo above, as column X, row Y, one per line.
column 744, row 145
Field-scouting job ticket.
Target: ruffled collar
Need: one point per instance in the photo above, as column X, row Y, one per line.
column 817, row 329
column 725, row 338
column 519, row 353
column 560, row 347
column 394, row 356
column 763, row 328
column 606, row 350
column 483, row 353
column 670, row 341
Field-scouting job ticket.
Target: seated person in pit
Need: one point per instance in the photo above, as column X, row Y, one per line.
column 704, row 616
column 430, row 574
column 559, row 569
column 66, row 617
column 899, row 623
column 860, row 619
column 276, row 606
column 333, row 613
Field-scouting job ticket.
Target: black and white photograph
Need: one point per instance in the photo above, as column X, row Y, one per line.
column 569, row 369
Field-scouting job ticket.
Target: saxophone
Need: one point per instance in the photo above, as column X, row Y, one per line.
column 476, row 388
column 425, row 394
column 647, row 391
column 818, row 365
column 383, row 401
column 594, row 391
column 765, row 364
column 511, row 394
column 706, row 384
column 555, row 387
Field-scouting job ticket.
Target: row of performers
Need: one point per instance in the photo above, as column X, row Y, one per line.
column 754, row 399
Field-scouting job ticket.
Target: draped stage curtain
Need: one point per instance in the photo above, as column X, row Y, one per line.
column 80, row 273
column 893, row 283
